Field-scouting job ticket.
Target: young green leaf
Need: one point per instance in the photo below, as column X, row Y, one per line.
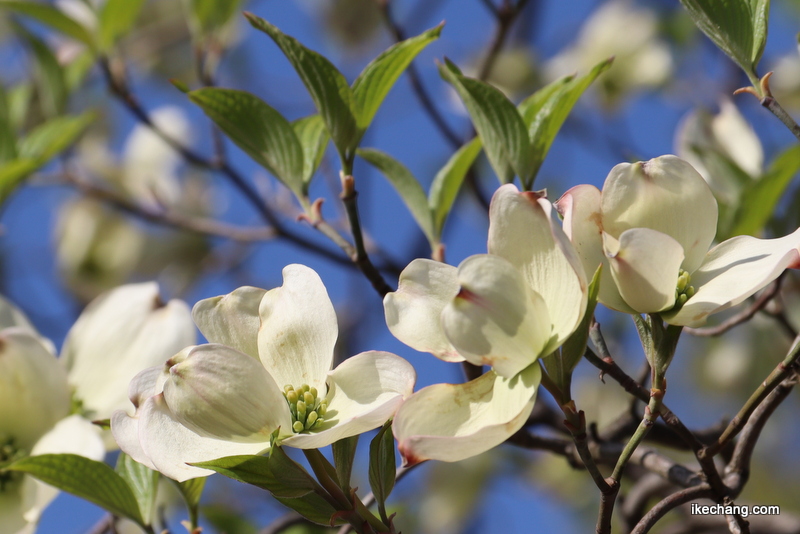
column 314, row 508
column 51, row 82
column 117, row 17
column 737, row 27
column 277, row 473
column 546, row 110
column 13, row 173
column 406, row 185
column 327, row 86
column 498, row 123
column 377, row 78
column 192, row 490
column 447, row 183
column 19, row 100
column 142, row 480
column 49, row 15
column 54, row 136
column 225, row 519
column 382, row 466
column 758, row 200
column 344, row 452
column 258, row 129
column 8, row 143
column 209, row 16
column 88, row 479
column 313, row 137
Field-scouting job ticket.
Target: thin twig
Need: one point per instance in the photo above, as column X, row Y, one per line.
column 170, row 218
column 370, row 498
column 119, row 88
column 360, row 258
column 702, row 491
column 741, row 317
column 289, row 519
column 738, row 469
column 415, row 80
column 778, row 375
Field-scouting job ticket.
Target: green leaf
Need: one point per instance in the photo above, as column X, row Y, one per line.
column 314, row 508
column 229, row 521
column 313, row 137
column 52, row 85
column 8, row 143
column 759, row 199
column 142, row 480
column 211, row 15
column 498, row 123
column 382, row 465
column 54, row 136
column 447, row 183
column 737, row 27
column 327, row 86
column 377, row 78
column 192, row 490
column 13, row 173
column 88, row 479
column 116, row 19
column 546, row 110
column 258, row 129
column 759, row 10
column 277, row 473
column 406, row 185
column 19, row 102
column 52, row 17
column 76, row 71
column 44, row 142
column 344, row 452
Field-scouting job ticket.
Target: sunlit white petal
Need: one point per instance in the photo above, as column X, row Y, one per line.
column 734, row 270
column 496, row 319
column 524, row 231
column 664, row 194
column 413, row 312
column 583, row 224
column 231, row 319
column 645, row 265
column 171, row 446
column 120, row 333
column 450, row 422
column 219, row 392
column 298, row 330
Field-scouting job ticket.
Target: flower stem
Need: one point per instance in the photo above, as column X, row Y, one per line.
column 317, row 462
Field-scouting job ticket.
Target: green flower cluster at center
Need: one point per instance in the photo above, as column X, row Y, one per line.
column 683, row 291
column 8, row 454
column 308, row 410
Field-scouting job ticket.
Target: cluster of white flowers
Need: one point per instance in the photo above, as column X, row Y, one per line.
column 47, row 404
column 266, row 373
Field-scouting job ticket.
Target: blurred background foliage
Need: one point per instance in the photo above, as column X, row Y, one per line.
column 97, row 181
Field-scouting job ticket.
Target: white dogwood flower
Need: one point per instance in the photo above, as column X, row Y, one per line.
column 34, row 408
column 268, row 366
column 504, row 309
column 651, row 228
column 120, row 333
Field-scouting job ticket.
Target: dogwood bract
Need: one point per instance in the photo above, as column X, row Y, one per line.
column 651, row 228
column 120, row 333
column 268, row 366
column 504, row 309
